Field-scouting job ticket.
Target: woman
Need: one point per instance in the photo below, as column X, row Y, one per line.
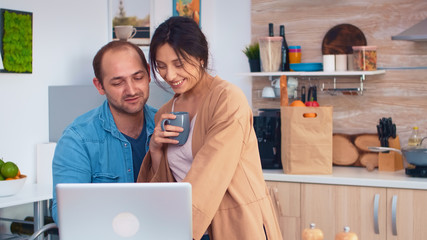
column 220, row 158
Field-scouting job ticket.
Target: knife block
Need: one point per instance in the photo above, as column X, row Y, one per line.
column 391, row 161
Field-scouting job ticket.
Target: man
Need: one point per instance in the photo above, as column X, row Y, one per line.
column 108, row 143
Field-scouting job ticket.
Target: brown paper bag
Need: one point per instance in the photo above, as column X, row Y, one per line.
column 306, row 142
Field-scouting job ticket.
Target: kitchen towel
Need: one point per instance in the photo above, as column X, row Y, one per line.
column 306, row 141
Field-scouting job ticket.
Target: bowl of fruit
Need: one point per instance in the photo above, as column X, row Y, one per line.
column 11, row 179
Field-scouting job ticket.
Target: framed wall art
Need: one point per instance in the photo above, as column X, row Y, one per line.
column 131, row 12
column 187, row 8
column 16, row 41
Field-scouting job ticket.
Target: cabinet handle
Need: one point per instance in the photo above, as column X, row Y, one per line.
column 376, row 207
column 276, row 198
column 394, row 215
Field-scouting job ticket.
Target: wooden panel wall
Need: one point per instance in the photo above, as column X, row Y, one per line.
column 400, row 94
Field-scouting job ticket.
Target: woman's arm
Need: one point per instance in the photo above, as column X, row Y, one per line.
column 219, row 153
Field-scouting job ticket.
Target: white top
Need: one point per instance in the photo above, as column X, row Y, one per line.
column 352, row 176
column 181, row 157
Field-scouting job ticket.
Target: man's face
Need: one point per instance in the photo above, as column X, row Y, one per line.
column 125, row 81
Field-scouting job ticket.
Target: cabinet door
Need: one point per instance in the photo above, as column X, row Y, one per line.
column 286, row 198
column 331, row 207
column 406, row 214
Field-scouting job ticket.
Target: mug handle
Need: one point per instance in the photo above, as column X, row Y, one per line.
column 133, row 33
column 164, row 122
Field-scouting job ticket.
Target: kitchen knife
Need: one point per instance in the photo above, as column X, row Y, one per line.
column 303, row 94
column 309, row 94
column 314, row 93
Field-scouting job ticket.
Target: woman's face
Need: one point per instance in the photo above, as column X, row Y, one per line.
column 182, row 75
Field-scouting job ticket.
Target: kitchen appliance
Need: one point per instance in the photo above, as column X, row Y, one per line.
column 418, row 32
column 268, row 131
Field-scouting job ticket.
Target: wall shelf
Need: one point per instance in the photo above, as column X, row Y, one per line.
column 309, row 74
column 361, row 74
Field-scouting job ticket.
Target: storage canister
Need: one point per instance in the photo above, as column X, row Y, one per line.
column 270, row 49
column 294, row 54
column 365, row 58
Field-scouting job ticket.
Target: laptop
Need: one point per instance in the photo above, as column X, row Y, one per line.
column 114, row 211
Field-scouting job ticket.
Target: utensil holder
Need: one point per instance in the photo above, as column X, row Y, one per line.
column 391, row 161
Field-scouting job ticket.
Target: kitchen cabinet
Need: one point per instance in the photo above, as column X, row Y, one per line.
column 375, row 205
column 286, row 198
column 371, row 212
column 406, row 214
column 332, row 207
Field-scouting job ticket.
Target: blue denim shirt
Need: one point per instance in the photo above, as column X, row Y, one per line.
column 93, row 150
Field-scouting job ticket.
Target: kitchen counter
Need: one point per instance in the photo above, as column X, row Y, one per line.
column 352, row 176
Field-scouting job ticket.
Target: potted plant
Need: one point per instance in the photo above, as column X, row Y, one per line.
column 252, row 52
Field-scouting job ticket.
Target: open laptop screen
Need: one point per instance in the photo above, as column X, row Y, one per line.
column 124, row 211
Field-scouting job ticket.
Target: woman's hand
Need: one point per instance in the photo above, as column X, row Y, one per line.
column 160, row 138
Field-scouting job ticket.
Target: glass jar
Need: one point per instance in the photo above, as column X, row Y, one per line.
column 365, row 58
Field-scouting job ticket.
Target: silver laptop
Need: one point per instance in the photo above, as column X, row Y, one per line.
column 114, row 211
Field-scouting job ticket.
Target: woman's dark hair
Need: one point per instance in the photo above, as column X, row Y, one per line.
column 184, row 36
column 114, row 45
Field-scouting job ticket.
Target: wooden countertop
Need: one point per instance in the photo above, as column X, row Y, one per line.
column 352, row 176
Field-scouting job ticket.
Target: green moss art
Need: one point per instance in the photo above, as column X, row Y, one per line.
column 17, row 41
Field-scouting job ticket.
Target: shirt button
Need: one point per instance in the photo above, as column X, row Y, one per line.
column 129, row 170
column 126, row 144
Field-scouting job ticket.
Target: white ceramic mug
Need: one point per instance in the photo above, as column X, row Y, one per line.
column 268, row 92
column 124, row 32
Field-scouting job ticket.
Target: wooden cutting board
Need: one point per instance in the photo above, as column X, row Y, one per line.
column 340, row 39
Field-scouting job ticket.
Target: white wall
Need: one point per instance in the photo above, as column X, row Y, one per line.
column 227, row 25
column 66, row 36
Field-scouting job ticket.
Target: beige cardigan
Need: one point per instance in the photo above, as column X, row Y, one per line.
column 228, row 189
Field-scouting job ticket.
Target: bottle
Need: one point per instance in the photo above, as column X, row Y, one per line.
column 285, row 50
column 414, row 138
column 27, row 227
column 270, row 30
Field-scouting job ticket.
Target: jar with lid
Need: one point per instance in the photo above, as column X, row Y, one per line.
column 365, row 58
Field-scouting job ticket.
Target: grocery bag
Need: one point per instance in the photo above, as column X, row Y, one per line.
column 306, row 140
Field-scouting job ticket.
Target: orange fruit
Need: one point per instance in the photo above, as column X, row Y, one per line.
column 297, row 103
column 309, row 115
column 9, row 170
